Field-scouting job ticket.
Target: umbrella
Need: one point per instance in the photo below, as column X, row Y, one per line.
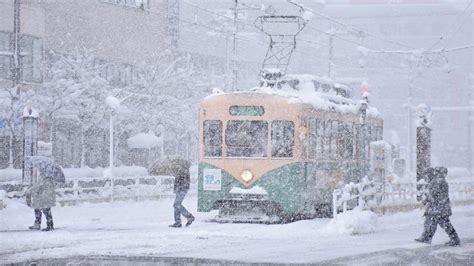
column 47, row 168
column 170, row 166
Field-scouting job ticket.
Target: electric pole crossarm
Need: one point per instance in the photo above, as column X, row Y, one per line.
column 282, row 31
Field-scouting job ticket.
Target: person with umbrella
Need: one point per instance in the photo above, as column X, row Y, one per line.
column 41, row 194
column 180, row 170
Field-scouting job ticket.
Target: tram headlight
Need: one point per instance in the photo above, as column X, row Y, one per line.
column 246, row 175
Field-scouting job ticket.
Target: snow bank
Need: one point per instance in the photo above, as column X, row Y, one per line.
column 121, row 171
column 144, row 141
column 256, row 190
column 353, row 222
column 9, row 174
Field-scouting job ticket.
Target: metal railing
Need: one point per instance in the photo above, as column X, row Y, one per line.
column 115, row 188
column 99, row 189
column 369, row 195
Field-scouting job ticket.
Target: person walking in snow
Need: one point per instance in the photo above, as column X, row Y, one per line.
column 181, row 187
column 41, row 196
column 438, row 208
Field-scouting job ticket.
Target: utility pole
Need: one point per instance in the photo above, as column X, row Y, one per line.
column 234, row 47
column 331, row 40
column 470, row 125
column 410, row 124
column 16, row 66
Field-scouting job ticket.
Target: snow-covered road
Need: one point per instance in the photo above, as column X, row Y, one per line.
column 140, row 229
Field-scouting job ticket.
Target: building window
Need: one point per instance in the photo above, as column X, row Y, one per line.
column 31, row 48
column 282, row 139
column 5, row 41
column 140, row 4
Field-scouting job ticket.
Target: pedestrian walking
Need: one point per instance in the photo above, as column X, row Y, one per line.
column 41, row 196
column 180, row 169
column 438, row 208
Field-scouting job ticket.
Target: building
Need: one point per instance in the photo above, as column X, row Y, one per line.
column 121, row 33
column 404, row 67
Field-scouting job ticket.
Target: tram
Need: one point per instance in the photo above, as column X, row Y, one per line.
column 276, row 155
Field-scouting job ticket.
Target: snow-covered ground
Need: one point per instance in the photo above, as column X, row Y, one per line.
column 140, row 229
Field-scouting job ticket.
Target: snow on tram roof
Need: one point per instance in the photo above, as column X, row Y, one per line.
column 306, row 96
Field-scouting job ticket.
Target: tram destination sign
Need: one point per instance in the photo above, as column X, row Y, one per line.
column 250, row 110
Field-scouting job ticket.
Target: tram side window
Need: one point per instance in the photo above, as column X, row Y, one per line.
column 379, row 133
column 335, row 138
column 367, row 139
column 373, row 133
column 320, row 141
column 345, row 143
column 316, row 85
column 316, row 134
column 327, row 139
column 212, row 138
column 356, row 141
column 282, row 138
column 246, row 138
column 313, row 124
column 325, row 87
column 364, row 141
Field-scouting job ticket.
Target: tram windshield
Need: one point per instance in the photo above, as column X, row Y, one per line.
column 245, row 138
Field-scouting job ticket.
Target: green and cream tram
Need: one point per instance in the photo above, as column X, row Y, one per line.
column 274, row 157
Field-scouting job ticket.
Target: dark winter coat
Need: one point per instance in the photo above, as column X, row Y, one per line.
column 42, row 194
column 181, row 180
column 437, row 200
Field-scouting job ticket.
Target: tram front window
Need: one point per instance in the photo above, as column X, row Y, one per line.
column 246, row 138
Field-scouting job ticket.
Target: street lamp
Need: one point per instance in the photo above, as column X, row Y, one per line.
column 30, row 140
column 114, row 105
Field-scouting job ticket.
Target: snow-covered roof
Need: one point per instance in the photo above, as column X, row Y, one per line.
column 307, row 94
column 144, row 141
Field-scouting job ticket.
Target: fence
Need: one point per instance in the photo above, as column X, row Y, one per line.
column 370, row 195
column 100, row 189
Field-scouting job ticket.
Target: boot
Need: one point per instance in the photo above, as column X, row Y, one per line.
column 422, row 240
column 453, row 243
column 49, row 227
column 175, row 225
column 35, row 226
column 453, row 240
column 190, row 221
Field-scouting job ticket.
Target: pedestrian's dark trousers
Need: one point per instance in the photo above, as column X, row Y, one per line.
column 47, row 213
column 432, row 221
column 179, row 208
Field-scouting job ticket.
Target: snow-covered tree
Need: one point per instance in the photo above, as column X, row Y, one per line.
column 76, row 90
column 164, row 96
column 11, row 110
